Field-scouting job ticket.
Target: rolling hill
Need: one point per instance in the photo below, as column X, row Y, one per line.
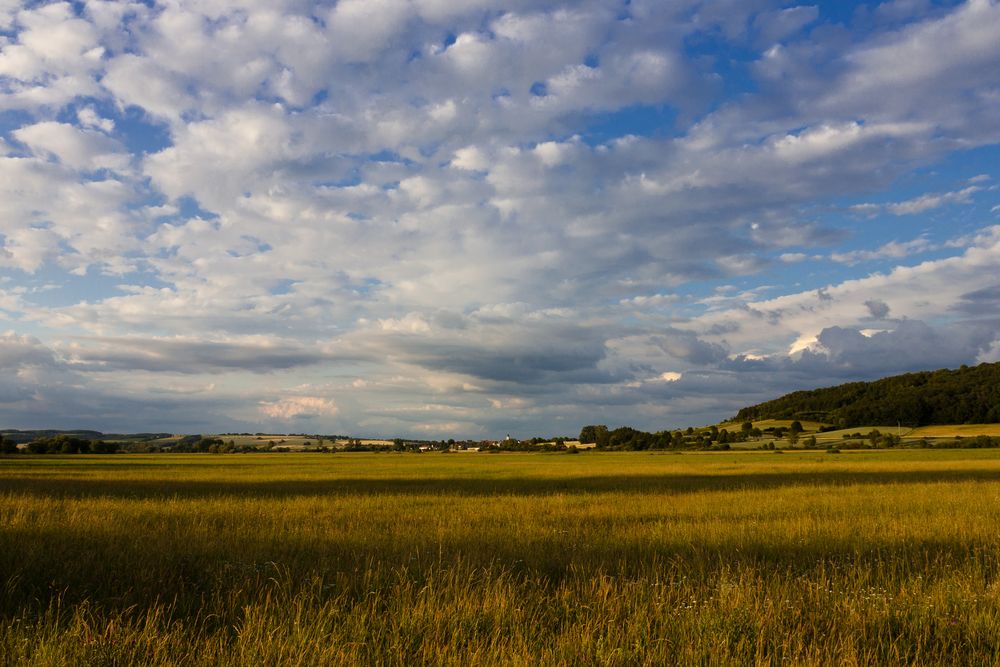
column 968, row 395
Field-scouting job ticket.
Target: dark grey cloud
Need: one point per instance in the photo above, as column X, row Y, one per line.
column 878, row 309
column 19, row 351
column 198, row 356
column 980, row 302
column 912, row 345
column 78, row 405
column 688, row 347
column 501, row 349
column 543, row 364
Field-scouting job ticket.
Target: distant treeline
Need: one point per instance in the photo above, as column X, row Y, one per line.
column 969, row 395
column 628, row 438
column 16, row 436
column 60, row 444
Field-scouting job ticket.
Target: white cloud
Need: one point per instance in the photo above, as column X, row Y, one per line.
column 28, row 248
column 75, row 148
column 793, row 257
column 929, row 291
column 88, row 117
column 297, row 407
column 778, row 24
column 46, row 213
column 471, row 158
column 359, row 29
column 138, row 81
column 891, row 250
column 53, row 59
column 929, row 201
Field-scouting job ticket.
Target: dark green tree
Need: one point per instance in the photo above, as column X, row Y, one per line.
column 594, row 434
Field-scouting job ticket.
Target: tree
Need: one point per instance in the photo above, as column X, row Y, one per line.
column 7, row 446
column 101, row 447
column 594, row 434
column 38, row 447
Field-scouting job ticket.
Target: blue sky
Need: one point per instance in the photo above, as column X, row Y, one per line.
column 439, row 219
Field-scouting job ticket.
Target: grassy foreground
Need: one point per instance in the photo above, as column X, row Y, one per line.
column 884, row 557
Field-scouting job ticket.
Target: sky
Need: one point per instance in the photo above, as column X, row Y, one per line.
column 443, row 219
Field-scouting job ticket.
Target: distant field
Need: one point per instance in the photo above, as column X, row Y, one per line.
column 839, row 435
column 956, row 430
column 289, row 441
column 295, row 441
column 865, row 557
column 772, row 423
column 906, row 433
column 923, row 432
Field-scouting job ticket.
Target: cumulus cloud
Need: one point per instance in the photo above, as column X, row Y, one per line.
column 75, row 148
column 18, row 351
column 912, row 344
column 299, row 407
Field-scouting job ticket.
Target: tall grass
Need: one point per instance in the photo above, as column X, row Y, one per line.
column 620, row 559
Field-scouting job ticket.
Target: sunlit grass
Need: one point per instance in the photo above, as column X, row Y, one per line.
column 867, row 557
column 956, row 430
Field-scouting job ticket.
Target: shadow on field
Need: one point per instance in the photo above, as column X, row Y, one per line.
column 473, row 486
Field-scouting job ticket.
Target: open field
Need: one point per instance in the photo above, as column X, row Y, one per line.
column 930, row 433
column 955, row 430
column 907, row 434
column 772, row 423
column 874, row 557
column 839, row 436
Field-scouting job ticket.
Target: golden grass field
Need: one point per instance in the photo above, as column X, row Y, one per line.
column 908, row 434
column 734, row 427
column 867, row 557
column 955, row 430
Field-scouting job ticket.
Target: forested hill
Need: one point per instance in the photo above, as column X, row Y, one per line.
column 969, row 395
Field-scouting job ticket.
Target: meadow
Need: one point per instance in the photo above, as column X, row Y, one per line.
column 859, row 558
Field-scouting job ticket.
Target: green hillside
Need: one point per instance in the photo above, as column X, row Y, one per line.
column 968, row 395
